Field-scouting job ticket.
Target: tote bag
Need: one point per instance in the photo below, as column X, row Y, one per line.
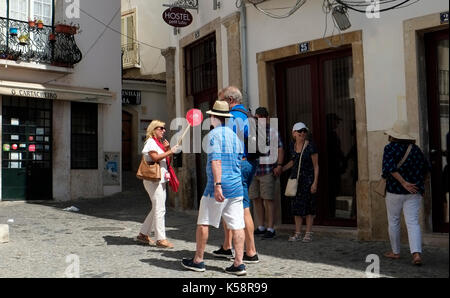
column 149, row 171
column 292, row 185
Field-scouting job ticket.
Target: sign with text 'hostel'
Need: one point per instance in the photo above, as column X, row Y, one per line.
column 177, row 17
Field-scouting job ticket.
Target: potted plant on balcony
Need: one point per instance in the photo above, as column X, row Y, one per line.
column 40, row 24
column 52, row 37
column 66, row 29
column 32, row 23
column 13, row 31
column 23, row 39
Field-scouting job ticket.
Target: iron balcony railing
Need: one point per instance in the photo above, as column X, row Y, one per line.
column 33, row 42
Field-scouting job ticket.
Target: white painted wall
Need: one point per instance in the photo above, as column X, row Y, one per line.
column 100, row 68
column 382, row 42
column 151, row 30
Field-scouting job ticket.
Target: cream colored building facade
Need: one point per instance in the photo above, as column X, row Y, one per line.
column 42, row 127
column 144, row 38
column 386, row 84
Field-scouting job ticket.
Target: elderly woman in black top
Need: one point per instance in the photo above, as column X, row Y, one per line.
column 405, row 186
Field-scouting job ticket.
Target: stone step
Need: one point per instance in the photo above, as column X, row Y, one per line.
column 4, row 233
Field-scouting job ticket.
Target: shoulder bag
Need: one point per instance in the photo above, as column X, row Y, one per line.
column 292, row 185
column 380, row 187
column 149, row 170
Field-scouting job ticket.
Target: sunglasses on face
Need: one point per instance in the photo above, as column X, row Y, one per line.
column 302, row 131
column 161, row 128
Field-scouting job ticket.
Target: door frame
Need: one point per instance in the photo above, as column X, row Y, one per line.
column 267, row 97
column 318, row 123
column 434, row 127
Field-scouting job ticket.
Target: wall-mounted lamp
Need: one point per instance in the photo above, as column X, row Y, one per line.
column 341, row 17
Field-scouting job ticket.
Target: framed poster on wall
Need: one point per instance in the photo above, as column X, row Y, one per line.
column 111, row 169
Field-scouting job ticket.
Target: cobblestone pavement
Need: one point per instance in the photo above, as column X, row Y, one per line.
column 102, row 235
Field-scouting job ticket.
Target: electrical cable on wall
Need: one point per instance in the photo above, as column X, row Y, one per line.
column 385, row 5
column 265, row 11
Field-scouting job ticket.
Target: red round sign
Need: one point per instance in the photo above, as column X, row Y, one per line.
column 194, row 117
column 177, row 17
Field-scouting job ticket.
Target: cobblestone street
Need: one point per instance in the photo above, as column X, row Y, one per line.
column 102, row 235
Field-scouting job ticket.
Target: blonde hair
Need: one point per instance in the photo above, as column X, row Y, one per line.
column 151, row 128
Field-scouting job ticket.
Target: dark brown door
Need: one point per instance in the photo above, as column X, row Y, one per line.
column 126, row 141
column 437, row 53
column 201, row 84
column 315, row 90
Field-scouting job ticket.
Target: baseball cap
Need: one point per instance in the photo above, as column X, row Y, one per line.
column 299, row 126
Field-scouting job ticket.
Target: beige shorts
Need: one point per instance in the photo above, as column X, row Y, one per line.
column 262, row 187
column 232, row 212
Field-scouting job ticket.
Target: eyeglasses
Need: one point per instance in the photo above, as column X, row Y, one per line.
column 302, row 131
column 161, row 128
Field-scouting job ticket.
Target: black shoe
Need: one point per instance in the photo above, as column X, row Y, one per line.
column 269, row 234
column 258, row 232
column 222, row 253
column 239, row 271
column 189, row 264
column 250, row 260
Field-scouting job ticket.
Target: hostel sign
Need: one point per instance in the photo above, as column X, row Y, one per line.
column 177, row 17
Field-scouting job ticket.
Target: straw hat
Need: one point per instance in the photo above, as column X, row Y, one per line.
column 221, row 108
column 400, row 131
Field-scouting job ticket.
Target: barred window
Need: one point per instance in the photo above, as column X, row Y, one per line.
column 84, row 136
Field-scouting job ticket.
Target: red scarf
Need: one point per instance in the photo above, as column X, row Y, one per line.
column 173, row 182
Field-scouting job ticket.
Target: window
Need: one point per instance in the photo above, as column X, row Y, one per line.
column 24, row 10
column 130, row 47
column 84, row 136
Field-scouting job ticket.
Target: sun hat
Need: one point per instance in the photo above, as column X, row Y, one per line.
column 400, row 131
column 299, row 126
column 221, row 108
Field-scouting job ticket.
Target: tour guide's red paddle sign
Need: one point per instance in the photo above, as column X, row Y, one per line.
column 194, row 117
column 177, row 17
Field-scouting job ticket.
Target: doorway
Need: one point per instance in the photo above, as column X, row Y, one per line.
column 317, row 90
column 126, row 140
column 201, row 84
column 26, row 149
column 437, row 73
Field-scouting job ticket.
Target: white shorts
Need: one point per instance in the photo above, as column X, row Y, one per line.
column 231, row 210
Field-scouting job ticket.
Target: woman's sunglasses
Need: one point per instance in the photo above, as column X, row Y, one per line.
column 161, row 128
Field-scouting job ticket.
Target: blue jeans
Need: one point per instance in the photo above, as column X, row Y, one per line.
column 248, row 169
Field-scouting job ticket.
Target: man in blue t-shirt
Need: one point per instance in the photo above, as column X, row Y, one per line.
column 240, row 125
column 223, row 194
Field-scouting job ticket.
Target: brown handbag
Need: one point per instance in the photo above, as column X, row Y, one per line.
column 149, row 170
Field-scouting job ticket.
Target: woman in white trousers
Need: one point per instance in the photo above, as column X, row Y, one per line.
column 156, row 150
column 404, row 168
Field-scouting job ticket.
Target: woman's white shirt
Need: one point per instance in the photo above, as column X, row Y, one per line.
column 150, row 146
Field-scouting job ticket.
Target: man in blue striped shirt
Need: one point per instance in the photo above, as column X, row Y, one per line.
column 223, row 196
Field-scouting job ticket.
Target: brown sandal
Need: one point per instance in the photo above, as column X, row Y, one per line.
column 417, row 259
column 164, row 244
column 144, row 239
column 391, row 255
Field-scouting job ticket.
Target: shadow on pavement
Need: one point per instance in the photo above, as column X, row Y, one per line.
column 133, row 204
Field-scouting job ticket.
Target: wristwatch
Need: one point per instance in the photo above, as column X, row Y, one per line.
column 218, row 184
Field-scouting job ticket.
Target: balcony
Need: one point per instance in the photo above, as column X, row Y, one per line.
column 130, row 56
column 33, row 42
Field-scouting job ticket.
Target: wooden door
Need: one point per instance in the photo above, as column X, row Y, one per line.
column 126, row 140
column 437, row 62
column 316, row 91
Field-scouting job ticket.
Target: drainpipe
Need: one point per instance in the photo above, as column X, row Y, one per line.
column 244, row 64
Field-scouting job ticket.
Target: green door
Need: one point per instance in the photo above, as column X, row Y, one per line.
column 26, row 149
